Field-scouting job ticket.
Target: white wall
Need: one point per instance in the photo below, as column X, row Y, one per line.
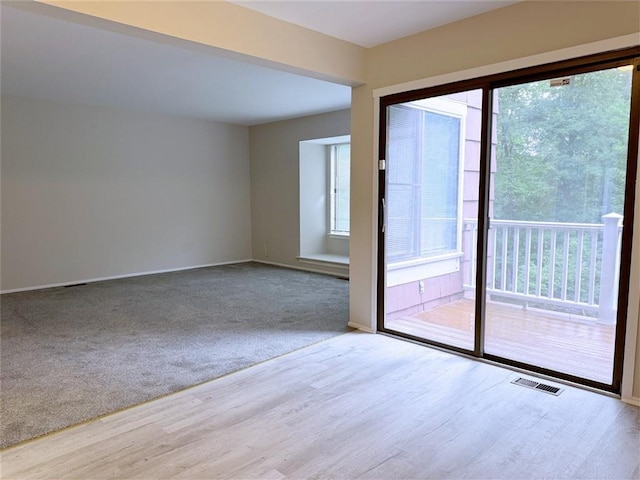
column 275, row 173
column 92, row 192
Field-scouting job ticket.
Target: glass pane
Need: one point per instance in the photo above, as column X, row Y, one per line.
column 556, row 206
column 433, row 163
column 342, row 188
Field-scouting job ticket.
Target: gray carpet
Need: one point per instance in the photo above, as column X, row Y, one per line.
column 72, row 354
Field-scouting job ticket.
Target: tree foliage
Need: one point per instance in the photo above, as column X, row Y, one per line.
column 561, row 152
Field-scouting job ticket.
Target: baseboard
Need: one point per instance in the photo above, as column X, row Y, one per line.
column 116, row 277
column 362, row 328
column 632, row 401
column 304, row 269
column 168, row 270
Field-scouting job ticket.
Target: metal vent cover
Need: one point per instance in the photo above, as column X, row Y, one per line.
column 525, row 382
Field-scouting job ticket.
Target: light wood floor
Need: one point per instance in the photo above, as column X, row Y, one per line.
column 356, row 406
column 572, row 345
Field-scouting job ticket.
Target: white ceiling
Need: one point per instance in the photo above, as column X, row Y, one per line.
column 52, row 57
column 371, row 22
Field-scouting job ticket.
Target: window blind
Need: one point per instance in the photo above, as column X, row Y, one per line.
column 423, row 156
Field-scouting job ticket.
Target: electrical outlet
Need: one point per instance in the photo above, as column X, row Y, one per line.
column 421, row 286
column 266, row 250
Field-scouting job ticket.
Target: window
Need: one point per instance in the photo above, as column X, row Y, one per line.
column 339, row 189
column 324, row 202
column 424, row 194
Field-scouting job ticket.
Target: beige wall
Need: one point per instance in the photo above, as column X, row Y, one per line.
column 636, row 380
column 275, row 195
column 93, row 192
column 517, row 31
column 633, row 384
column 511, row 33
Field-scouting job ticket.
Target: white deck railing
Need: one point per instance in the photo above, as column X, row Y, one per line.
column 574, row 265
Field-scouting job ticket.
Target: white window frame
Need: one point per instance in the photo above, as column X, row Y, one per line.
column 331, row 194
column 427, row 266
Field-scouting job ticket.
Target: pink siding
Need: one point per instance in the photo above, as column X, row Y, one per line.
column 407, row 299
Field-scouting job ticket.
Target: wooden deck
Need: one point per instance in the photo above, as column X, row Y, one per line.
column 564, row 343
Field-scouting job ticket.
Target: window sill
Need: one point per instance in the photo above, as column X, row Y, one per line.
column 341, row 236
column 326, row 260
column 420, row 269
column 414, row 262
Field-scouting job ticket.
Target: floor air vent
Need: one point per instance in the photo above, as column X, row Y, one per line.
column 525, row 382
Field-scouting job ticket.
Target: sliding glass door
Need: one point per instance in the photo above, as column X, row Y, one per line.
column 556, row 230
column 433, row 157
column 504, row 216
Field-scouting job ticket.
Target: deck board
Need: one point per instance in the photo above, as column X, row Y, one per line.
column 568, row 344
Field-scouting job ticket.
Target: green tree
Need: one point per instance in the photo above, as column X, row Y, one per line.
column 561, row 152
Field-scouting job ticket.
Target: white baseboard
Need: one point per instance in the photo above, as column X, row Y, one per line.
column 168, row 270
column 362, row 328
column 632, row 401
column 304, row 269
column 116, row 277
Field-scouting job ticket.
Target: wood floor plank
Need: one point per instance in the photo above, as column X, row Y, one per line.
column 356, row 406
column 620, row 436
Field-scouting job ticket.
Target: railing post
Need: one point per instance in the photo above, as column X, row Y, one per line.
column 607, row 305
